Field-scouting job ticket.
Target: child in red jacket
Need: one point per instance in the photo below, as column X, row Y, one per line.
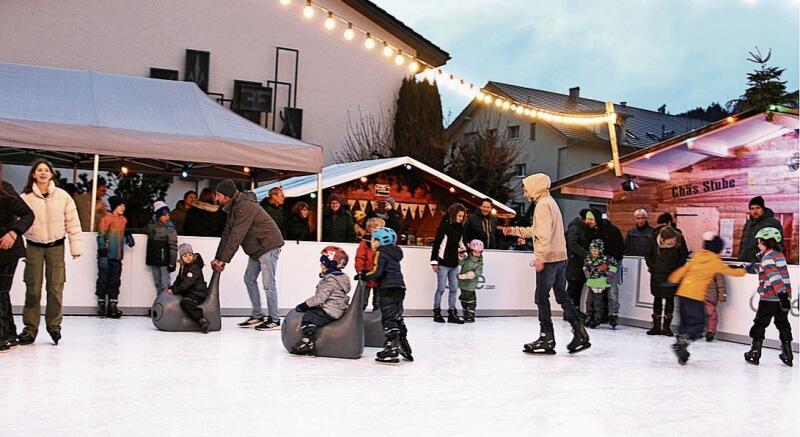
column 364, row 260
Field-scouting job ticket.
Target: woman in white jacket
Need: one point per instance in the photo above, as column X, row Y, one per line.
column 55, row 219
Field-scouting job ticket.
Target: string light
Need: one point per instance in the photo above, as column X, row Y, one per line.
column 387, row 51
column 369, row 43
column 308, row 10
column 452, row 190
column 286, row 2
column 330, row 23
column 348, row 33
column 399, row 59
column 413, row 66
column 246, row 169
column 123, row 170
column 364, row 179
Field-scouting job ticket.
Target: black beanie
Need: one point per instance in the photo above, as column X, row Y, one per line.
column 714, row 245
column 227, row 188
column 115, row 201
column 758, row 200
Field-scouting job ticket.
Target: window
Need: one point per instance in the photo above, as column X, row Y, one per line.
column 631, row 135
column 513, row 132
column 533, row 131
column 521, row 170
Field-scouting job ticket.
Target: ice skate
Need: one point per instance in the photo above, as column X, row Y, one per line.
column 101, row 306
column 55, row 335
column 204, row 325
column 405, row 349
column 112, row 311
column 544, row 345
column 681, row 348
column 786, row 353
column 710, row 336
column 305, row 346
column 580, row 338
column 389, row 353
column 753, row 356
column 612, row 321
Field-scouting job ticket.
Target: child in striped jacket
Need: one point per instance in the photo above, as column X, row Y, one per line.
column 775, row 291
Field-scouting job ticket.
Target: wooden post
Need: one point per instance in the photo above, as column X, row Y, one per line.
column 319, row 206
column 93, row 200
column 612, row 136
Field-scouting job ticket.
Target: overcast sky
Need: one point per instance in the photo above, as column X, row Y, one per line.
column 682, row 53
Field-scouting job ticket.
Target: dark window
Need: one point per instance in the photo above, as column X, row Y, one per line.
column 513, row 132
column 533, row 131
column 521, row 170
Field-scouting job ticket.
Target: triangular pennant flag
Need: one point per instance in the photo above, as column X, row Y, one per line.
column 374, row 205
column 413, row 207
column 403, row 209
column 362, row 204
column 351, row 203
column 432, row 207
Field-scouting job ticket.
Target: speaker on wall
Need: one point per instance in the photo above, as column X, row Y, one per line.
column 197, row 63
column 292, row 122
column 251, row 96
column 163, row 73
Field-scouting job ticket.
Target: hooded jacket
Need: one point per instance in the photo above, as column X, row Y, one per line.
column 447, row 244
column 55, row 217
column 365, row 256
column 696, row 275
column 547, row 229
column 663, row 261
column 331, row 294
column 748, row 247
column 162, row 244
column 15, row 215
column 579, row 236
column 637, row 241
column 386, row 268
column 248, row 225
column 190, row 281
column 471, row 269
column 111, row 236
column 204, row 220
column 481, row 227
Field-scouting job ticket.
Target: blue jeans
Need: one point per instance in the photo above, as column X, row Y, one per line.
column 553, row 276
column 446, row 277
column 613, row 292
column 267, row 267
column 161, row 278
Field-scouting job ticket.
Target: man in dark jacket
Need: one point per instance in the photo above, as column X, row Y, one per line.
column 637, row 242
column 273, row 205
column 579, row 236
column 337, row 223
column 615, row 249
column 481, row 225
column 760, row 217
column 251, row 227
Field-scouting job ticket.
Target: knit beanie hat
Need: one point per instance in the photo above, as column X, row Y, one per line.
column 227, row 188
column 758, row 200
column 334, row 198
column 183, row 249
column 160, row 208
column 712, row 242
column 597, row 244
column 115, row 201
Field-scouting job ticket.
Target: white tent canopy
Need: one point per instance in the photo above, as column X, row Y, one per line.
column 77, row 111
column 337, row 174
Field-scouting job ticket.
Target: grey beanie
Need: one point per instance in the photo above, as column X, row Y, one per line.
column 227, row 188
column 183, row 249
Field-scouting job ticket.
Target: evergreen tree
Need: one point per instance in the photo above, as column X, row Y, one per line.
column 714, row 112
column 418, row 123
column 764, row 85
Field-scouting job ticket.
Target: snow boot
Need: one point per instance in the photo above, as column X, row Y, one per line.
column 405, row 349
column 786, row 353
column 437, row 315
column 667, row 328
column 204, row 325
column 544, row 345
column 612, row 320
column 305, row 346
column 112, row 311
column 580, row 338
column 101, row 306
column 753, row 356
column 656, row 329
column 389, row 353
column 452, row 317
column 681, row 348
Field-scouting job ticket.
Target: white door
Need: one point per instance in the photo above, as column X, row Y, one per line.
column 693, row 222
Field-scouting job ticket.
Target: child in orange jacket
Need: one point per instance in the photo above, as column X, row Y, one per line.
column 364, row 260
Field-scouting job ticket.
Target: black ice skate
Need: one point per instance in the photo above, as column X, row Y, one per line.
column 389, row 353
column 55, row 334
column 612, row 320
column 101, row 306
column 305, row 346
column 580, row 338
column 786, row 353
column 204, row 325
column 405, row 349
column 544, row 345
column 112, row 311
column 753, row 356
column 681, row 348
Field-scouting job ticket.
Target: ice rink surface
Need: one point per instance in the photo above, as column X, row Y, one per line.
column 123, row 377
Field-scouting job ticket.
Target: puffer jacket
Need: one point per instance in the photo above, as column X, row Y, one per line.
column 481, row 227
column 190, row 281
column 386, row 268
column 471, row 269
column 248, row 225
column 204, row 220
column 662, row 262
column 448, row 243
column 162, row 244
column 748, row 247
column 178, row 216
column 579, row 236
column 696, row 275
column 331, row 294
column 547, row 229
column 55, row 217
column 338, row 228
column 111, row 236
column 365, row 256
column 15, row 215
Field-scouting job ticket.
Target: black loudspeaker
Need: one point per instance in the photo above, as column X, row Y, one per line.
column 248, row 97
column 292, row 122
column 197, row 63
column 163, row 73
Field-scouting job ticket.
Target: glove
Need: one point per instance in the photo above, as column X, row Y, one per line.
column 786, row 303
column 102, row 262
column 301, row 308
column 357, row 277
column 171, row 268
column 129, row 240
column 102, row 252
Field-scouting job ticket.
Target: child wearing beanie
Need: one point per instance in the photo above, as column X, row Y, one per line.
column 191, row 285
column 111, row 236
column 162, row 246
column 694, row 278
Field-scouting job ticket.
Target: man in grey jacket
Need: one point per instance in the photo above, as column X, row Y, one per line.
column 251, row 227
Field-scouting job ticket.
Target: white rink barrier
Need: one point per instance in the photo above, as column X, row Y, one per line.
column 506, row 288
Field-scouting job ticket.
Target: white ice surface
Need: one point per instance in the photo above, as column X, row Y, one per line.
column 123, row 377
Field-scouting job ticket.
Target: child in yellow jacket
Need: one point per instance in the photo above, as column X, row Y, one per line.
column 694, row 277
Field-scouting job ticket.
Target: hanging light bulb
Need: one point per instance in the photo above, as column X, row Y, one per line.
column 526, row 112
column 429, row 75
column 413, row 66
column 498, row 102
column 329, row 23
column 308, row 10
column 246, row 169
column 123, row 170
column 363, row 179
column 487, row 99
column 480, row 95
column 348, row 33
column 387, row 51
column 286, row 2
column 513, row 107
column 452, row 190
column 506, row 105
column 520, row 109
column 399, row 59
column 369, row 43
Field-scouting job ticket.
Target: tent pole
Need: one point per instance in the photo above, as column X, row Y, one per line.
column 319, row 206
column 75, row 172
column 93, row 199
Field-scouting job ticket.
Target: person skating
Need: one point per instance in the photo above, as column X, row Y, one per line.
column 600, row 270
column 329, row 302
column 191, row 285
column 471, row 269
column 550, row 255
column 387, row 272
column 667, row 252
column 111, row 240
column 775, row 293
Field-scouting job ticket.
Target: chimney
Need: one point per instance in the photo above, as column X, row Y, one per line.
column 623, row 103
column 574, row 93
column 662, row 109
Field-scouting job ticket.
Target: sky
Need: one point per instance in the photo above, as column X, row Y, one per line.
column 682, row 53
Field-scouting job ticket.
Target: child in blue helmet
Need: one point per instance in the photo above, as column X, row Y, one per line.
column 391, row 292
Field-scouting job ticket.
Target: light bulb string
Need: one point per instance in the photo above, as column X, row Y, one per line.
column 432, row 72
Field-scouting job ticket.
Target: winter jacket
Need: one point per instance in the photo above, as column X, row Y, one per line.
column 204, row 220
column 471, row 269
column 331, row 294
column 663, row 261
column 365, row 256
column 578, row 238
column 178, row 216
column 447, row 244
column 190, row 281
column 55, row 217
column 696, row 275
column 547, row 229
column 297, row 229
column 15, row 215
column 162, row 244
column 338, row 228
column 600, row 271
column 392, row 219
column 637, row 242
column 111, row 236
column 613, row 240
column 386, row 268
column 83, row 203
column 248, row 225
column 748, row 247
column 773, row 275
column 481, row 227
column 277, row 214
column 717, row 290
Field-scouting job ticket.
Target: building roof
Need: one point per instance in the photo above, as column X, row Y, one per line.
column 338, row 174
column 426, row 51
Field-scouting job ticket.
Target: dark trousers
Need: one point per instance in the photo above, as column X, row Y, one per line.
column 8, row 329
column 469, row 300
column 109, row 273
column 313, row 319
column 668, row 309
column 374, row 291
column 595, row 307
column 693, row 318
column 574, row 290
column 553, row 276
column 767, row 310
column 392, row 316
column 190, row 306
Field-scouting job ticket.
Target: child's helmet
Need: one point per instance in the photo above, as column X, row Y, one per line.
column 385, row 236
column 597, row 244
column 333, row 258
column 359, row 215
column 476, row 245
column 769, row 234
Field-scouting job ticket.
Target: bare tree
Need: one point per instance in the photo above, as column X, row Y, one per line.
column 368, row 137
